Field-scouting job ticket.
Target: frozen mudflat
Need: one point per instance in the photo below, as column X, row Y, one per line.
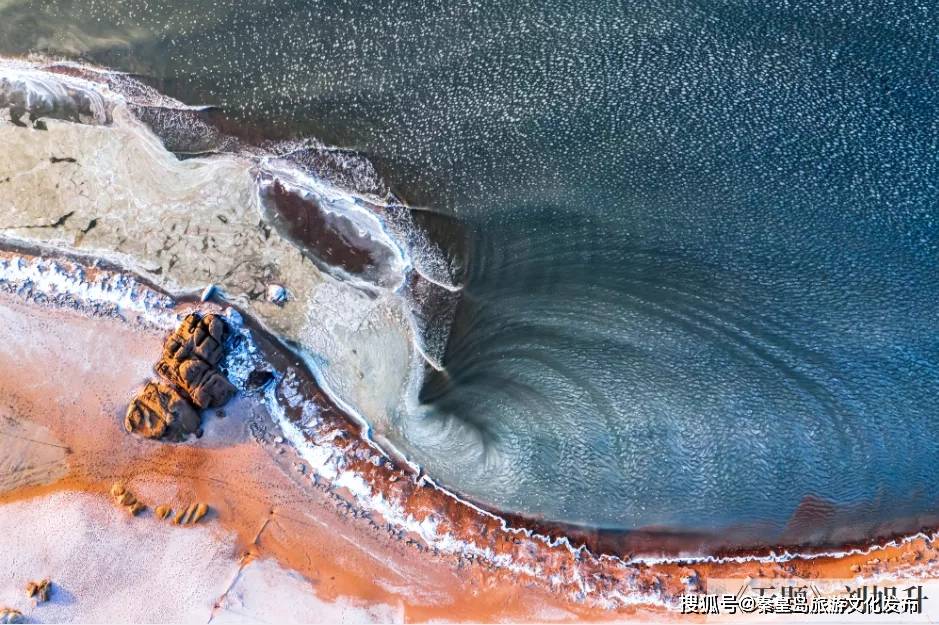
column 114, row 192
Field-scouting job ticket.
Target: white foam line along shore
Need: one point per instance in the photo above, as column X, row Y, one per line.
column 54, row 278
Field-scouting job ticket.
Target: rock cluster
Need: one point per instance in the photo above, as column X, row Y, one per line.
column 190, row 381
column 126, row 498
column 9, row 615
column 39, row 590
column 187, row 515
column 158, row 407
column 190, row 360
column 193, row 513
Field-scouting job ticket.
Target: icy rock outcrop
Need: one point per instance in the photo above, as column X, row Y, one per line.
column 192, row 381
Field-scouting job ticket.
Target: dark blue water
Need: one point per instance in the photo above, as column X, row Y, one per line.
column 701, row 237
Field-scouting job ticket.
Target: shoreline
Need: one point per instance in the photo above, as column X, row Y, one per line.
column 476, row 540
column 293, row 323
column 336, row 498
column 639, row 545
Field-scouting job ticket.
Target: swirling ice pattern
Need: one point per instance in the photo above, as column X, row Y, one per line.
column 701, row 260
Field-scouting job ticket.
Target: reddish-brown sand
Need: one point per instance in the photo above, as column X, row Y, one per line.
column 73, row 375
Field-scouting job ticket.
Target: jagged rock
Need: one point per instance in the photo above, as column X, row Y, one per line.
column 159, row 410
column 179, row 516
column 190, row 358
column 162, row 511
column 126, row 498
column 203, row 337
column 9, row 615
column 192, row 381
column 40, row 590
column 191, row 514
